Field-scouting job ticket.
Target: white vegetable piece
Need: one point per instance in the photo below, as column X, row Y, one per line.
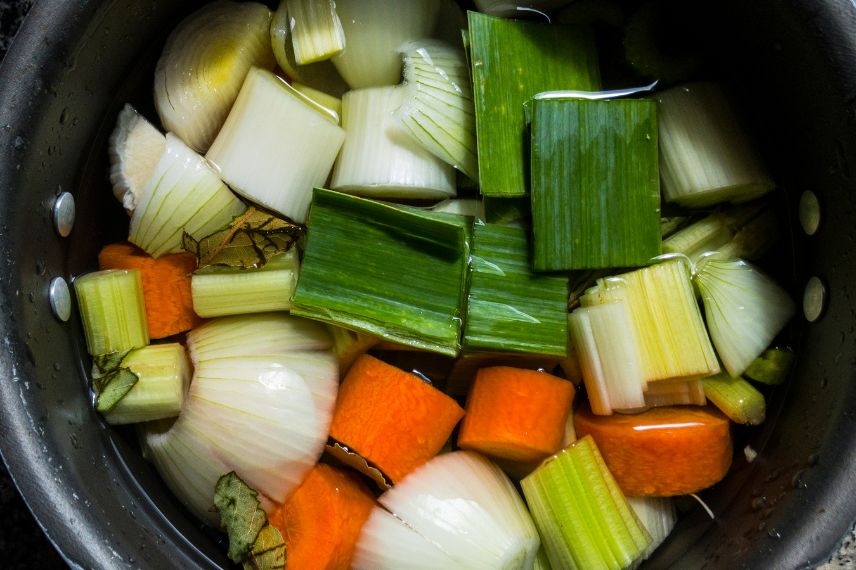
column 276, row 145
column 658, row 516
column 135, row 148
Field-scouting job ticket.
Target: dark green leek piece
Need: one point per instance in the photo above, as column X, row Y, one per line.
column 512, row 61
column 510, row 309
column 394, row 272
column 771, row 367
column 595, row 183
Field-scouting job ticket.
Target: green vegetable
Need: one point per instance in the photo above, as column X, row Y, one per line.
column 112, row 310
column 737, row 399
column 771, row 367
column 512, row 61
column 595, row 183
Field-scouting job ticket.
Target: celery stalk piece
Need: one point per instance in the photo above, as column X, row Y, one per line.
column 675, row 393
column 374, row 31
column 163, row 372
column 744, row 310
column 771, row 367
column 512, row 61
column 321, row 75
column 329, row 102
column 377, row 268
column 657, row 515
column 510, row 309
column 379, row 161
column 316, row 30
column 276, row 145
column 582, row 517
column 183, row 195
column 438, row 112
column 609, row 357
column 595, row 183
column 218, row 291
column 666, row 320
column 736, row 398
column 112, row 310
column 705, row 155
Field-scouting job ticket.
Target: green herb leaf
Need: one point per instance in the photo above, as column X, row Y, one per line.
column 268, row 552
column 109, row 362
column 240, row 515
column 248, row 243
column 112, row 387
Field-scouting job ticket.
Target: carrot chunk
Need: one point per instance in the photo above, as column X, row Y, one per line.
column 166, row 286
column 392, row 418
column 662, row 452
column 321, row 520
column 516, row 414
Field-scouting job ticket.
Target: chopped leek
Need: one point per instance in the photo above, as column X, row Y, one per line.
column 584, row 520
column 720, row 229
column 276, row 145
column 595, row 184
column 203, row 65
column 657, row 515
column 403, row 283
column 218, row 292
column 438, row 112
column 456, row 511
column 329, row 102
column 705, row 155
column 754, row 239
column 462, row 207
column 374, row 31
column 771, row 367
column 736, row 398
column 112, row 310
column 183, row 196
column 666, row 320
column 675, row 393
column 510, row 308
column 512, row 61
column 378, row 161
column 744, row 310
column 316, row 31
column 163, row 373
column 135, row 148
column 609, row 358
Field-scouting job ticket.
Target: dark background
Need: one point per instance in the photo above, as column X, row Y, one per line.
column 22, row 543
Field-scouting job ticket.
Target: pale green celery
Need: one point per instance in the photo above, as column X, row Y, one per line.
column 771, row 367
column 582, row 516
column 229, row 291
column 112, row 310
column 316, row 30
column 736, row 398
column 163, row 372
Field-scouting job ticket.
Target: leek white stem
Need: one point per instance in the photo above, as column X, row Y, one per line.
column 316, row 31
column 332, row 104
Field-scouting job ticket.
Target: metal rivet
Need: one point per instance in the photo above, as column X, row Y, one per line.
column 60, row 298
column 809, row 212
column 814, row 299
column 63, row 214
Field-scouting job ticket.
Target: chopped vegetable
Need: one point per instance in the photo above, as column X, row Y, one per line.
column 456, row 511
column 510, row 308
column 112, row 310
column 438, row 111
column 329, row 102
column 135, row 148
column 183, row 196
column 705, row 156
column 675, row 393
column 595, row 183
column 715, row 231
column 754, row 239
column 462, row 207
column 736, row 398
column 378, row 159
column 218, row 292
column 516, row 414
column 348, row 345
column 271, row 121
column 203, row 65
column 662, row 452
column 657, row 515
column 374, row 31
column 392, row 418
column 512, row 61
column 771, row 367
column 584, row 520
column 744, row 310
column 321, row 520
column 166, row 286
column 316, row 30
column 402, row 278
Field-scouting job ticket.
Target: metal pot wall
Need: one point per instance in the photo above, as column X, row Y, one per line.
column 793, row 65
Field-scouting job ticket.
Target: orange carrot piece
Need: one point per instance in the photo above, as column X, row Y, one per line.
column 662, row 452
column 392, row 418
column 321, row 520
column 166, row 286
column 516, row 414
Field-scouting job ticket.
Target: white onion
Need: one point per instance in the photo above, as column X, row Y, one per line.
column 456, row 511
